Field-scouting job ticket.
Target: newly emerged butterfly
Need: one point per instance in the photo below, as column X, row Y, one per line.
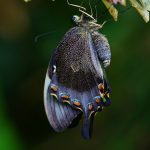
column 75, row 83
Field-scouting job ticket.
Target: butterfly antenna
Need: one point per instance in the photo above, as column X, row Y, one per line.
column 96, row 11
column 77, row 6
column 90, row 7
column 82, row 3
column 87, row 14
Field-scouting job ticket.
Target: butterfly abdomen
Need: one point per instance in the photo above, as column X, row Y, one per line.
column 103, row 48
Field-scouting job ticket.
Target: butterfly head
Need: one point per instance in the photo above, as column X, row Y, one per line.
column 76, row 19
column 86, row 21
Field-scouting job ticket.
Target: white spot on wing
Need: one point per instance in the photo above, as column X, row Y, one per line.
column 54, row 69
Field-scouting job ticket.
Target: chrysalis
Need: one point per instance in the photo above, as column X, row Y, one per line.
column 75, row 82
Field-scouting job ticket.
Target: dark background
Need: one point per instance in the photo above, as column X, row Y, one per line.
column 23, row 63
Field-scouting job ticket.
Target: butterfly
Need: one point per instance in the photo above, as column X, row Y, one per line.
column 75, row 83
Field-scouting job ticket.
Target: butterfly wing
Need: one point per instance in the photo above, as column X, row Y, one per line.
column 76, row 81
column 60, row 115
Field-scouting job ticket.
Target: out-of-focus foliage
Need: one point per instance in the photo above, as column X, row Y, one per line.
column 9, row 139
column 143, row 7
column 27, row 1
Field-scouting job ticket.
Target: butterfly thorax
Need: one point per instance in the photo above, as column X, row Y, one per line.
column 85, row 22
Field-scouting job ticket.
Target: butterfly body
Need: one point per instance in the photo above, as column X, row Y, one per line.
column 75, row 81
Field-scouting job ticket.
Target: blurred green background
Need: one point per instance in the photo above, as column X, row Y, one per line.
column 23, row 63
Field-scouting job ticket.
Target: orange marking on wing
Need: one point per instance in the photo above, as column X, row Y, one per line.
column 54, row 88
column 65, row 97
column 77, row 103
column 101, row 87
column 90, row 107
column 97, row 100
